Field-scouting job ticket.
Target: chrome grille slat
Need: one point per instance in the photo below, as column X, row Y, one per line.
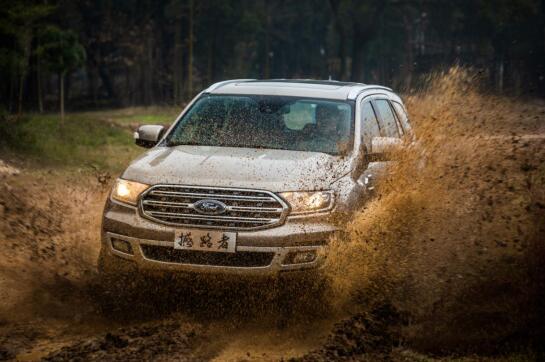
column 254, row 209
column 168, row 204
column 204, row 217
column 245, row 209
column 212, row 196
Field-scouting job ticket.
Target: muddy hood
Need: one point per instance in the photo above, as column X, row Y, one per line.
column 273, row 170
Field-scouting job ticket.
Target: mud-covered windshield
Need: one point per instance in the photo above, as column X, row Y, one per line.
column 277, row 122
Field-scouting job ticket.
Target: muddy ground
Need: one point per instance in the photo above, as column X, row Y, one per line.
column 446, row 261
column 50, row 302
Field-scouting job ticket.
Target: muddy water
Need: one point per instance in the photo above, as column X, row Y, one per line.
column 455, row 236
column 50, row 291
column 447, row 257
column 49, row 225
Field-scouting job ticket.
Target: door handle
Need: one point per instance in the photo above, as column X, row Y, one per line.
column 367, row 182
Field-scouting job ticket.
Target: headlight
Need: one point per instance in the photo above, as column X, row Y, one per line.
column 127, row 191
column 305, row 202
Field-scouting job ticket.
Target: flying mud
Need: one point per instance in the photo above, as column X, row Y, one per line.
column 448, row 258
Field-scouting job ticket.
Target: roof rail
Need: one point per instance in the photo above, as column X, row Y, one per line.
column 221, row 84
column 356, row 91
column 309, row 81
column 355, row 88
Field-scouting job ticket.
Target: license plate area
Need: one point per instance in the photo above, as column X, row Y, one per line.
column 205, row 240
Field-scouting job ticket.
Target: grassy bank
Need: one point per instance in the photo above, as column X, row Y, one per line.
column 100, row 140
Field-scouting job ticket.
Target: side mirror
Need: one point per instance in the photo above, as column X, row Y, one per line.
column 382, row 148
column 147, row 136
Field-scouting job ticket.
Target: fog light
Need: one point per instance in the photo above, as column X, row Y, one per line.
column 122, row 246
column 300, row 257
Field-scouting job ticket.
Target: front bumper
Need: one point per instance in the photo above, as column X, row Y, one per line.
column 297, row 234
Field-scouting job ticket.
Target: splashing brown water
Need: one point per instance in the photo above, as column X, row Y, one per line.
column 453, row 241
column 455, row 235
column 50, row 224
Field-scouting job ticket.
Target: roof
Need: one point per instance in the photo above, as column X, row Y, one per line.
column 329, row 89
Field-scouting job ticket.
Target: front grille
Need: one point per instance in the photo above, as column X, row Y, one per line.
column 244, row 209
column 239, row 259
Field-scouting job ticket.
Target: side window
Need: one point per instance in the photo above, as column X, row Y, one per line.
column 388, row 126
column 402, row 116
column 369, row 125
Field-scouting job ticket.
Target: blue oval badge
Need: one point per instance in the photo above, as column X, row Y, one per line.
column 210, row 207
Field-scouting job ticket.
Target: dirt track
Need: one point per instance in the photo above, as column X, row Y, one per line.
column 456, row 268
column 50, row 288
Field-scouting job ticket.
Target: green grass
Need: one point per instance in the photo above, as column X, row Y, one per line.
column 137, row 115
column 101, row 139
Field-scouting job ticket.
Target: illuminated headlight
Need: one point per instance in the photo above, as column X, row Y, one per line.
column 127, row 191
column 306, row 202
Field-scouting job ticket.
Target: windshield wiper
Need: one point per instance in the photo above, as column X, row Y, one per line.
column 187, row 143
column 194, row 143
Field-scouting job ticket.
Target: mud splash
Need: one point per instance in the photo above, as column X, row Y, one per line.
column 40, row 240
column 52, row 303
column 48, row 233
column 454, row 238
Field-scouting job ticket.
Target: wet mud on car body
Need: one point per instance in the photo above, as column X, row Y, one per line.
column 252, row 178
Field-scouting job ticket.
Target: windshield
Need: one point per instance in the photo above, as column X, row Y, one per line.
column 277, row 122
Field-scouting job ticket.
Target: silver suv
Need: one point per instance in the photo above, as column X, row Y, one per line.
column 253, row 177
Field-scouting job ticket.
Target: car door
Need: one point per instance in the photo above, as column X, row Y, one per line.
column 388, row 121
column 370, row 128
column 402, row 117
column 389, row 127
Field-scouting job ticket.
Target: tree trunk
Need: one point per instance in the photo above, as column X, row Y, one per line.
column 408, row 66
column 23, row 70
column 91, row 82
column 39, row 90
column 61, row 97
column 67, row 86
column 39, row 84
column 212, row 54
column 177, row 65
column 335, row 4
column 359, row 42
column 20, row 97
column 267, row 71
column 501, row 69
column 104, row 73
column 150, row 70
column 210, row 62
column 12, row 90
column 190, row 48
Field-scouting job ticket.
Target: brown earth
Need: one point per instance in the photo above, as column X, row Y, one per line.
column 448, row 259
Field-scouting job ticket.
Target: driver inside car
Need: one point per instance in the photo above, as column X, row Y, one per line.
column 325, row 133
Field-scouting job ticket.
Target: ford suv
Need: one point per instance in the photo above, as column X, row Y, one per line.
column 252, row 178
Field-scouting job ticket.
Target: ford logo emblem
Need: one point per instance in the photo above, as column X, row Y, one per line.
column 210, row 207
